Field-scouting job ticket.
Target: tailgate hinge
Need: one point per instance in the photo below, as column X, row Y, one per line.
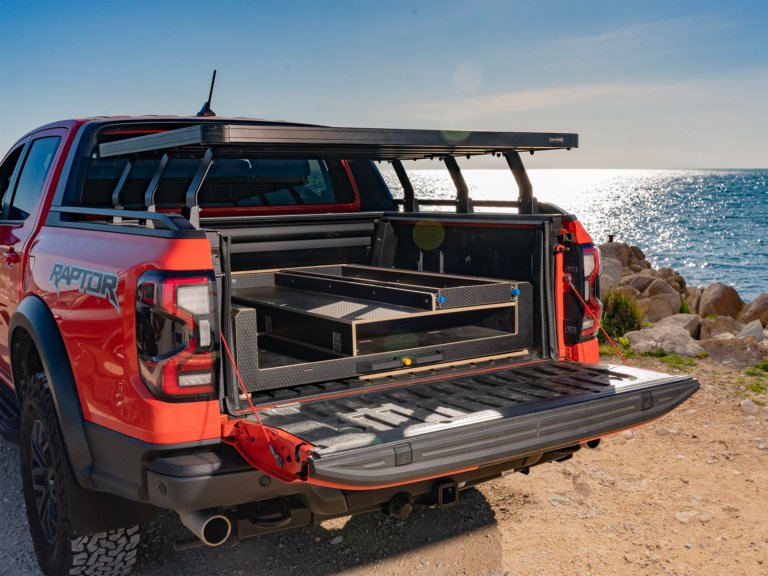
column 285, row 457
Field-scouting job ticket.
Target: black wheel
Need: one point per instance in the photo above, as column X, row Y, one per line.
column 47, row 482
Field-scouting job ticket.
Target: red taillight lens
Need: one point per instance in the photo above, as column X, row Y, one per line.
column 176, row 335
column 590, row 290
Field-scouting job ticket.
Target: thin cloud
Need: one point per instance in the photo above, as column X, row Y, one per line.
column 731, row 91
column 648, row 34
column 526, row 100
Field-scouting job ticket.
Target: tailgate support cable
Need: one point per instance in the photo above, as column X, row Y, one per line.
column 594, row 316
column 248, row 397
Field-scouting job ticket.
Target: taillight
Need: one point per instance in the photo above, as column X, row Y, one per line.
column 591, row 289
column 581, row 268
column 176, row 334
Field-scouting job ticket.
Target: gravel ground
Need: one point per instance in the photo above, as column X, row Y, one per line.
column 685, row 495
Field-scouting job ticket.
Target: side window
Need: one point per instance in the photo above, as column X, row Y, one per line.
column 36, row 166
column 6, row 172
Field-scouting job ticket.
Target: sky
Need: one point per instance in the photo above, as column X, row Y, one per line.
column 645, row 83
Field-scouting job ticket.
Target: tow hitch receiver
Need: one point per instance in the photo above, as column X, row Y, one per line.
column 447, row 494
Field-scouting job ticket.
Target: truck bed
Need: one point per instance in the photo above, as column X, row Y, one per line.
column 391, row 430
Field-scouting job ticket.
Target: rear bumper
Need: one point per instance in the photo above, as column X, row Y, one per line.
column 223, row 478
column 503, row 436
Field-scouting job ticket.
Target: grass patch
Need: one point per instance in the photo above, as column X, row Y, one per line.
column 623, row 344
column 606, row 350
column 757, row 387
column 684, row 308
column 760, row 369
column 621, row 314
column 702, row 354
column 658, row 353
column 762, row 366
column 677, row 361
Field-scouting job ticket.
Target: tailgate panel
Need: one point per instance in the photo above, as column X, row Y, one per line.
column 439, row 424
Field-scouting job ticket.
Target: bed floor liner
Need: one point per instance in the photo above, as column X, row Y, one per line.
column 430, row 424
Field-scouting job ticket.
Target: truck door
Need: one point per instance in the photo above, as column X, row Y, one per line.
column 24, row 175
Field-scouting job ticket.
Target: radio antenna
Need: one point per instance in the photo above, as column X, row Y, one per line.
column 206, row 109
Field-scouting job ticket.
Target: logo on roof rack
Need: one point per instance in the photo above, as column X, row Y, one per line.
column 557, row 140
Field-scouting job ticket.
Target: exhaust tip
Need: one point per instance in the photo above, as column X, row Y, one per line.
column 216, row 531
column 211, row 528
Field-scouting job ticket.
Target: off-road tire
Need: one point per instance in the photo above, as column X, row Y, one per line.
column 47, row 482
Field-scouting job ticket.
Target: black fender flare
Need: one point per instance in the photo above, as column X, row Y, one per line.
column 34, row 316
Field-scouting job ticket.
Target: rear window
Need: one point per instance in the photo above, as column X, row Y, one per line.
column 230, row 182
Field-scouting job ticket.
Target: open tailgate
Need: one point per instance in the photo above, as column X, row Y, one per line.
column 398, row 431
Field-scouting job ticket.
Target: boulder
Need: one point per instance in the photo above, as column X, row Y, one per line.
column 660, row 286
column 671, row 337
column 691, row 322
column 659, row 306
column 622, row 252
column 753, row 329
column 611, row 271
column 713, row 327
column 674, row 279
column 724, row 336
column 693, row 297
column 626, row 291
column 755, row 310
column 736, row 353
column 637, row 281
column 721, row 300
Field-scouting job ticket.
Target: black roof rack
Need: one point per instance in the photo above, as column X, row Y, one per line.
column 347, row 143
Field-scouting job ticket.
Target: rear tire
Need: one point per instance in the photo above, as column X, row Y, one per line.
column 47, row 483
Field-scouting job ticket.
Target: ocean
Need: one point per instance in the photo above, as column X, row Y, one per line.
column 709, row 225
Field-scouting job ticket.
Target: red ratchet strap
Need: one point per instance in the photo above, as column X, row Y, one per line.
column 597, row 320
column 247, row 394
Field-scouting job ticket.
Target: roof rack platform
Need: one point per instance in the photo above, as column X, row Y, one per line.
column 347, row 143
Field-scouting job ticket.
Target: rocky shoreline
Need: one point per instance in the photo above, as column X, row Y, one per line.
column 693, row 321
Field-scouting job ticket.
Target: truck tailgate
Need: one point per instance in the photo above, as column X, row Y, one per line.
column 395, row 431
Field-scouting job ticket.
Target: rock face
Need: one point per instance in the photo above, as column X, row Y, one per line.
column 753, row 329
column 671, row 337
column 755, row 310
column 721, row 300
column 638, row 281
column 712, row 327
column 611, row 273
column 659, row 306
column 673, row 279
column 691, row 322
column 693, row 297
column 624, row 253
column 737, row 353
column 660, row 286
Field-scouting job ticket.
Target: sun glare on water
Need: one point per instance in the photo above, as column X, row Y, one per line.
column 710, row 224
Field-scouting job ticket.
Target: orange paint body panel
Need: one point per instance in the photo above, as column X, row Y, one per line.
column 101, row 340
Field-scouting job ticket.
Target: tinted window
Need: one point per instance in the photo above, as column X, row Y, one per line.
column 6, row 171
column 36, row 166
column 259, row 182
column 246, row 182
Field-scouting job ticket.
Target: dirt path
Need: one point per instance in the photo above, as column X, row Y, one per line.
column 686, row 495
